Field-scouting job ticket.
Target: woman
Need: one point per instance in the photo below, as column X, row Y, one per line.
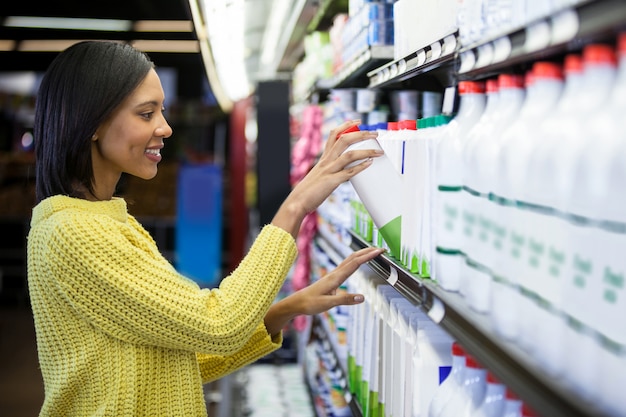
column 119, row 331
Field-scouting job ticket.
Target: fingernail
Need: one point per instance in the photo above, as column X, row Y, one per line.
column 358, row 298
column 379, row 152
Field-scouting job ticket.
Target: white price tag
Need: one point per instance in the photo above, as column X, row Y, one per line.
column 449, row 44
column 537, row 37
column 468, row 61
column 393, row 70
column 421, row 58
column 565, row 26
column 485, row 55
column 393, row 276
column 435, row 51
column 501, row 49
column 437, row 311
column 448, row 100
column 401, row 66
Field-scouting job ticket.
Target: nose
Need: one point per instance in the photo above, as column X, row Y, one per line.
column 164, row 130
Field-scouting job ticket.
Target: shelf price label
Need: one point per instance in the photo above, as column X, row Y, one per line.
column 501, row 49
column 485, row 55
column 537, row 37
column 435, row 51
column 437, row 311
column 565, row 26
column 468, row 61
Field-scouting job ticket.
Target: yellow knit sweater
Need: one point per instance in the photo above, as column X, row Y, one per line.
column 120, row 332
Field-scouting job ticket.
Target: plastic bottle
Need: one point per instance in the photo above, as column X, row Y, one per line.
column 483, row 146
column 512, row 405
column 512, row 173
column 468, row 218
column 600, row 175
column 472, row 391
column 450, row 386
column 582, row 353
column 380, row 187
column 449, row 179
column 495, row 395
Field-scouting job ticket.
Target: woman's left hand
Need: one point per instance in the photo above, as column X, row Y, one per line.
column 321, row 295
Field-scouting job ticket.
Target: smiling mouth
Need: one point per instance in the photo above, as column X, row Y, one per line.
column 156, row 152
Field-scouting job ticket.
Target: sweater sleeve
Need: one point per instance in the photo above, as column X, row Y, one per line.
column 213, row 367
column 118, row 282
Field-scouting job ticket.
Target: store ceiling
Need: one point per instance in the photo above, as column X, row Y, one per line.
column 256, row 15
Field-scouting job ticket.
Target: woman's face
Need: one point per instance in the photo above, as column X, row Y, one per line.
column 131, row 139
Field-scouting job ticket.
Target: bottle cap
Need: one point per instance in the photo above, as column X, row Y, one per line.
column 350, row 129
column 492, row 379
column 621, row 44
column 527, row 411
column 544, row 69
column 492, row 85
column 469, row 87
column 457, row 349
column 408, row 124
column 392, row 126
column 573, row 64
column 471, row 362
column 510, row 395
column 510, row 81
column 529, row 78
column 598, row 53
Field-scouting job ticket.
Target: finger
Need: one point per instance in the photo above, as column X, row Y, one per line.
column 346, row 268
column 352, row 158
column 344, row 141
column 336, row 132
column 347, row 299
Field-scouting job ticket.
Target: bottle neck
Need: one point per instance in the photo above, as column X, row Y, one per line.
column 470, row 106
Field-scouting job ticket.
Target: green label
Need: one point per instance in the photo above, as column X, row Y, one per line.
column 392, row 232
column 613, row 279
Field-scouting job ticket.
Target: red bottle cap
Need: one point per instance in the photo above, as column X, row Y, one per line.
column 598, row 53
column 350, row 129
column 471, row 362
column 543, row 69
column 492, row 85
column 573, row 64
column 457, row 349
column 510, row 81
column 527, row 411
column 492, row 379
column 621, row 44
column 393, row 126
column 469, row 87
column 510, row 395
column 409, row 124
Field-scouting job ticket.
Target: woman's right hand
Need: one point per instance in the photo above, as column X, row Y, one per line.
column 332, row 169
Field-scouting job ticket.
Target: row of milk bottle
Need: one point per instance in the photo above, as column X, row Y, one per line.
column 402, row 364
column 530, row 218
column 516, row 204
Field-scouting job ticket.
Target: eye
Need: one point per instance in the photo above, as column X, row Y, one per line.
column 147, row 115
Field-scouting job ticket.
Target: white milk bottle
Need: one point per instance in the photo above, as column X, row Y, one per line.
column 449, row 179
column 472, row 391
column 451, row 385
column 523, row 223
column 468, row 217
column 512, row 405
column 541, row 193
column 380, row 189
column 581, row 356
column 483, row 146
column 600, row 176
column 495, row 396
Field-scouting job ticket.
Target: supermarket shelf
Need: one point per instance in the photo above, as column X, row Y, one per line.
column 439, row 54
column 353, row 74
column 505, row 359
column 567, row 30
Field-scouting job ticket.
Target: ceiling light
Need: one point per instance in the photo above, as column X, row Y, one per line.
column 111, row 25
column 7, row 45
column 163, row 26
column 46, row 45
column 182, row 46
